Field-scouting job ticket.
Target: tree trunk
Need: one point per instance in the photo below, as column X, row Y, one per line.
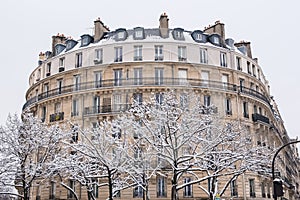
column 174, row 195
column 110, row 185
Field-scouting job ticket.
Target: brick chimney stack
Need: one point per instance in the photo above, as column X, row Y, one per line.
column 164, row 25
column 218, row 28
column 100, row 29
column 57, row 39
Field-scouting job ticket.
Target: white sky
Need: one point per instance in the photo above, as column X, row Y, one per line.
column 272, row 27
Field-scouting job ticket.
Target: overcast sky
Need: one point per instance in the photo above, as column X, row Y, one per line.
column 272, row 27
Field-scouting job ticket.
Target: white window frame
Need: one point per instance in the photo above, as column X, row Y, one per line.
column 203, row 55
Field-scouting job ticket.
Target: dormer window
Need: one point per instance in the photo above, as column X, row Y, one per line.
column 70, row 44
column 178, row 34
column 215, row 39
column 86, row 40
column 121, row 34
column 138, row 33
column 59, row 48
column 198, row 36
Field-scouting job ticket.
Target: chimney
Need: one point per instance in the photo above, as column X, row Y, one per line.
column 164, row 25
column 100, row 29
column 57, row 39
column 246, row 45
column 218, row 28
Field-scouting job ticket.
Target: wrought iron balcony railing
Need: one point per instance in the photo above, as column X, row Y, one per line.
column 147, row 82
column 258, row 117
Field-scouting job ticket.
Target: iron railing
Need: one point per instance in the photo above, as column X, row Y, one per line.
column 147, row 82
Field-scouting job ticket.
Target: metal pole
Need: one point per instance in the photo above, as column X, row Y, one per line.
column 273, row 173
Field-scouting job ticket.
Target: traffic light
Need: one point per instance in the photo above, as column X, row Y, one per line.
column 277, row 186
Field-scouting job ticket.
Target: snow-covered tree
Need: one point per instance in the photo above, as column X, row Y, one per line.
column 189, row 140
column 27, row 145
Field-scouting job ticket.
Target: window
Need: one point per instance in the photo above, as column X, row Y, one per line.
column 138, row 53
column 138, row 76
column 187, row 192
column 233, row 188
column 52, row 190
column 121, row 35
column 254, row 109
column 44, row 113
column 59, row 85
column 158, row 52
column 72, row 186
column 206, row 100
column 223, row 60
column 138, row 34
column 46, row 90
column 238, row 63
column 138, row 97
column 228, row 107
column 178, row 34
column 248, row 68
column 137, row 153
column 85, row 41
column 75, row 108
column 118, row 77
column 242, row 84
column 78, row 61
column 183, row 101
column 225, row 81
column 98, row 79
column 138, row 192
column 74, row 133
column 76, row 79
column 258, row 74
column 118, row 54
column 245, row 109
column 159, row 98
column 98, row 56
column 251, row 187
column 96, row 107
column 203, row 56
column 61, row 64
column 161, row 186
column 181, row 53
column 57, row 107
column 198, row 36
column 182, row 76
column 216, row 40
column 95, row 189
column 263, row 190
column 117, row 102
column 253, row 70
column 205, row 78
column 48, row 69
column 159, row 76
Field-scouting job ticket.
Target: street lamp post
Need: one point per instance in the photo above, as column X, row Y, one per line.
column 277, row 184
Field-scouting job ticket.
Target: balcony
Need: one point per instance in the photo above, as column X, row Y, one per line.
column 61, row 69
column 94, row 110
column 258, row 117
column 182, row 59
column 148, row 82
column 137, row 58
column 57, row 117
column 159, row 58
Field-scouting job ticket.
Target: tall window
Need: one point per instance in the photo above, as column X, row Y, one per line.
column 205, row 78
column 206, row 100
column 161, row 186
column 245, row 109
column 96, row 107
column 258, row 74
column 253, row 70
column 228, row 108
column 138, row 76
column 159, row 52
column 248, row 68
column 118, row 77
column 72, row 186
column 203, row 56
column 181, row 53
column 138, row 97
column 59, row 85
column 98, row 56
column 98, row 79
column 48, row 69
column 252, row 188
column 78, row 61
column 183, row 101
column 75, row 107
column 242, row 84
column 233, row 188
column 118, row 54
column 52, row 190
column 159, row 76
column 61, row 64
column 117, row 102
column 223, row 59
column 188, row 190
column 225, row 81
column 44, row 112
column 95, row 189
column 57, row 107
column 263, row 190
column 76, row 82
column 159, row 98
column 46, row 90
column 138, row 192
column 182, row 75
column 238, row 63
column 138, row 53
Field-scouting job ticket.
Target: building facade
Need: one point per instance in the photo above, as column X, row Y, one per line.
column 98, row 76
